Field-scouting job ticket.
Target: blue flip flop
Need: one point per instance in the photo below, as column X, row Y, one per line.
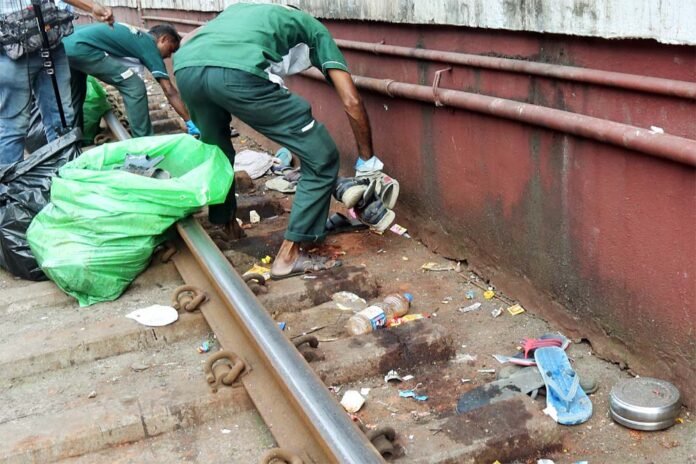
column 566, row 402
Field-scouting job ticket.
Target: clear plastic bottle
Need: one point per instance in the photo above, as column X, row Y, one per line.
column 377, row 315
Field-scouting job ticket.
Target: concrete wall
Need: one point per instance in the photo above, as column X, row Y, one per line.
column 667, row 21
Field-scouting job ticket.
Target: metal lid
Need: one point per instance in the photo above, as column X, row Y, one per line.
column 648, row 426
column 644, row 400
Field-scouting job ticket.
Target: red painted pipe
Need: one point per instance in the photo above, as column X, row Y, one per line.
column 657, row 85
column 648, row 84
column 664, row 146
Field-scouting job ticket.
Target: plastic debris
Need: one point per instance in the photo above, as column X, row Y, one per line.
column 497, row 312
column 282, row 325
column 466, row 358
column 335, row 388
column 154, row 316
column 348, row 301
column 489, row 294
column 486, row 371
column 468, row 309
column 398, row 230
column 256, row 269
column 266, row 259
column 254, row 217
column 545, row 461
column 407, row 318
column 309, row 277
column 515, row 309
column 404, row 258
column 407, row 377
column 365, row 391
column 352, row 401
column 470, row 294
column 204, row 347
column 412, row 394
column 392, row 376
column 225, row 431
column 436, row 267
column 92, row 394
column 466, row 380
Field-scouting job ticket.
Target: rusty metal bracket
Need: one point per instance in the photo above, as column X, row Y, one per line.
column 310, row 340
column 383, row 439
column 256, row 282
column 280, row 455
column 436, row 85
column 223, row 368
column 188, row 297
column 167, row 253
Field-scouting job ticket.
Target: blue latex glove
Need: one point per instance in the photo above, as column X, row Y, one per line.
column 192, row 129
column 369, row 167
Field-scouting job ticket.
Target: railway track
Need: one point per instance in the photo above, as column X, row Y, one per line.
column 89, row 385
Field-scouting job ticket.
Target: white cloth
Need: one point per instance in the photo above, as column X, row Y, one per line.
column 255, row 163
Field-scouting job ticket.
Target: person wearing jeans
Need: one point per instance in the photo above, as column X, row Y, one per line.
column 25, row 77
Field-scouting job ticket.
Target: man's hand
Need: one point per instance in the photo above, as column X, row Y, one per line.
column 192, row 129
column 355, row 110
column 102, row 13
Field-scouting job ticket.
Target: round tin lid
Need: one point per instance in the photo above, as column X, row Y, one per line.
column 645, row 400
column 647, row 426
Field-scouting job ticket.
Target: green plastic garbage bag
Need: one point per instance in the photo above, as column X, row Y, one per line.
column 93, row 109
column 103, row 224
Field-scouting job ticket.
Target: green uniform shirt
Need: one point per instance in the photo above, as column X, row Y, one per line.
column 120, row 42
column 267, row 40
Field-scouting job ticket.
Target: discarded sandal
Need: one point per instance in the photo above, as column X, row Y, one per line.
column 566, row 402
column 279, row 184
column 377, row 216
column 307, row 264
column 339, row 223
column 523, row 382
column 353, row 191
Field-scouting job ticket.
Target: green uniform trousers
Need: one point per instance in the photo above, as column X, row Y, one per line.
column 85, row 61
column 214, row 94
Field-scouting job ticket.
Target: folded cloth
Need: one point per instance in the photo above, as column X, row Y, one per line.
column 255, row 163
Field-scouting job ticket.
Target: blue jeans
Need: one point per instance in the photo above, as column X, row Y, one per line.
column 21, row 79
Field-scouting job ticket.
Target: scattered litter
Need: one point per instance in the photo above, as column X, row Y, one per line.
column 92, row 394
column 203, row 347
column 470, row 294
column 466, row 380
column 679, row 420
column 497, row 312
column 365, row 391
column 381, row 250
column 466, row 358
column 154, row 316
column 446, row 300
column 348, row 301
column 256, row 269
column 225, row 431
column 282, row 325
column 392, row 376
column 515, row 309
column 398, row 230
column 255, row 163
column 436, row 267
column 138, row 366
column 407, row 377
column 309, row 277
column 489, row 294
column 412, row 394
column 545, row 461
column 502, row 359
column 266, row 259
column 657, row 130
column 254, row 217
column 404, row 258
column 470, row 308
column 407, row 318
column 352, row 401
column 335, row 389
column 486, row 371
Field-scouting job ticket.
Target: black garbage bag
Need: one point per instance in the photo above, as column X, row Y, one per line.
column 24, row 190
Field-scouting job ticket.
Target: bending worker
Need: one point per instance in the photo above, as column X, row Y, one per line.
column 97, row 50
column 233, row 66
column 22, row 72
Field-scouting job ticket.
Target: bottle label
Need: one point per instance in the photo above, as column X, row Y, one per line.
column 375, row 315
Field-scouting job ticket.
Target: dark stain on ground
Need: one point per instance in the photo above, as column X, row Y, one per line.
column 344, row 278
column 412, row 345
column 502, row 426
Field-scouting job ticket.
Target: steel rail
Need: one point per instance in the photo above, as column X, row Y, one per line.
column 311, row 424
column 646, row 84
column 665, row 146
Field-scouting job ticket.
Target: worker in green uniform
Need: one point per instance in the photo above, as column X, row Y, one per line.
column 103, row 52
column 234, row 66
